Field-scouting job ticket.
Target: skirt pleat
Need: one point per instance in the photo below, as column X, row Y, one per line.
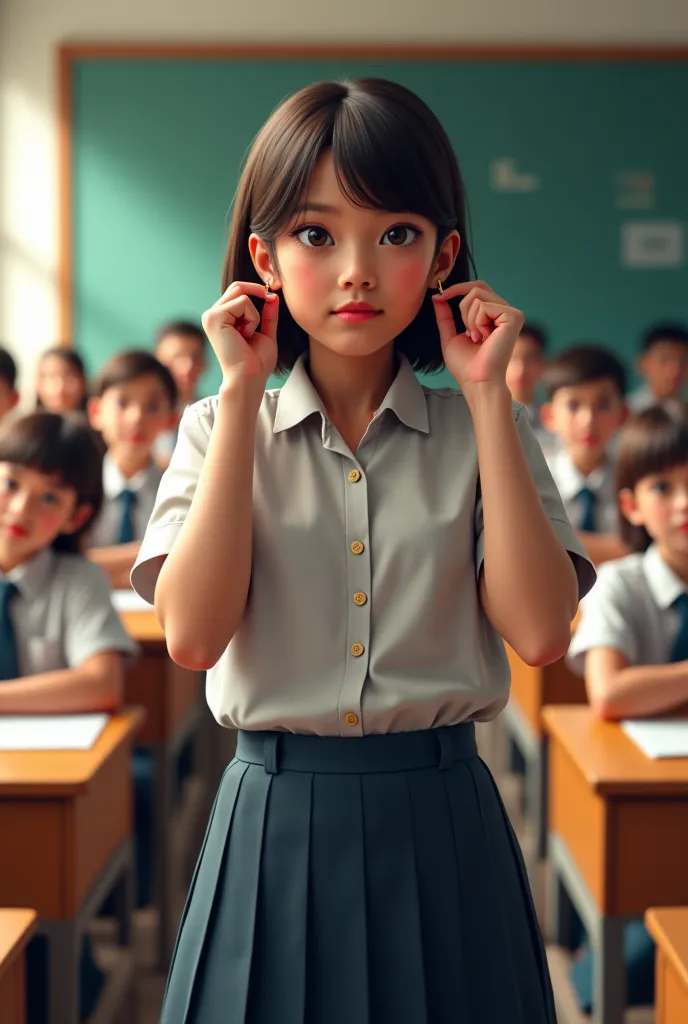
column 372, row 896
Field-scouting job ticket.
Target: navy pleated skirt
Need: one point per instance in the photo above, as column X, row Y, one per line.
column 372, row 880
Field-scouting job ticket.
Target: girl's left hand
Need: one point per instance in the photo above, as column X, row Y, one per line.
column 481, row 354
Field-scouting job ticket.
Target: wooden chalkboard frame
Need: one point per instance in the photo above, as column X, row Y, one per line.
column 69, row 53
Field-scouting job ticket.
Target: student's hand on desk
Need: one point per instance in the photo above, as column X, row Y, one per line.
column 244, row 342
column 480, row 354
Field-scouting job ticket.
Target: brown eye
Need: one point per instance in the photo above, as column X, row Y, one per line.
column 314, row 237
column 400, row 235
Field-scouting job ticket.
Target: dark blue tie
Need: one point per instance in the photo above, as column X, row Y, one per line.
column 587, row 499
column 679, row 648
column 9, row 655
column 127, row 532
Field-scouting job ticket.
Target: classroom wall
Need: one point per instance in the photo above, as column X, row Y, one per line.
column 30, row 31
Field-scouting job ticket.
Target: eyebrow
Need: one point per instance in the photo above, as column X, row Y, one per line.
column 316, row 208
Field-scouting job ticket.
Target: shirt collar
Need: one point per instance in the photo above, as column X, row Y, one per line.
column 570, row 481
column 298, row 399
column 665, row 586
column 114, row 481
column 31, row 577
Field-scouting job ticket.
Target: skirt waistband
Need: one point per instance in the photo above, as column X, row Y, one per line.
column 391, row 752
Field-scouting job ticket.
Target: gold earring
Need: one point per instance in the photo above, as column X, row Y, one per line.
column 439, row 287
column 267, row 289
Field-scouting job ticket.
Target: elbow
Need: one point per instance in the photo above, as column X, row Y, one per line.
column 195, row 656
column 545, row 649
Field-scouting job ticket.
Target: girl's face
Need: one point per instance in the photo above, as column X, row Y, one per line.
column 35, row 508
column 60, row 387
column 353, row 278
column 660, row 503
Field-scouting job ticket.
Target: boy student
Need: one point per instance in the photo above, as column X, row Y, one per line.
column 585, row 407
column 8, row 382
column 181, row 347
column 663, row 362
column 523, row 376
column 133, row 402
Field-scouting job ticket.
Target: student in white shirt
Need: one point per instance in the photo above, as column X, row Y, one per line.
column 585, row 407
column 181, row 347
column 663, row 362
column 523, row 376
column 133, row 402
column 632, row 640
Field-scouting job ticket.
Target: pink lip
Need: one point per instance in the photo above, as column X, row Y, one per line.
column 16, row 531
column 355, row 312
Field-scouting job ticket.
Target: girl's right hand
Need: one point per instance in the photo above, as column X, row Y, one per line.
column 245, row 345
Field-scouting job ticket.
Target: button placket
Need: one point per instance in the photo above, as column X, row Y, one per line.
column 358, row 580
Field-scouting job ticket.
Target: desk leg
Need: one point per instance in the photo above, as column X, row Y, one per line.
column 125, row 901
column 609, row 973
column 64, row 952
column 162, row 815
column 559, row 909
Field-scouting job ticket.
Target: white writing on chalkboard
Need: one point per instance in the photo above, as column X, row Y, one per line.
column 652, row 244
column 506, row 177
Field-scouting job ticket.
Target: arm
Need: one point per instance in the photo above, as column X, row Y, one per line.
column 117, row 561
column 97, row 685
column 617, row 689
column 603, row 547
column 203, row 584
column 528, row 585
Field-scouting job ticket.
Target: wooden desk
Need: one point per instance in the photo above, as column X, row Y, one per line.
column 66, row 823
column 170, row 696
column 669, row 929
column 531, row 690
column 617, row 840
column 16, row 928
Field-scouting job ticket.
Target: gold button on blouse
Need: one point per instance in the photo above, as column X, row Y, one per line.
column 357, row 547
column 351, row 719
column 357, row 650
column 354, row 476
column 360, row 598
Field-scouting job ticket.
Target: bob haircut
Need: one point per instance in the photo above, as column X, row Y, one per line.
column 390, row 153
column 71, row 358
column 652, row 442
column 131, row 365
column 584, row 364
column 61, row 446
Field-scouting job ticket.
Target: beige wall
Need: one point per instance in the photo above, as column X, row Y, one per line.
column 30, row 30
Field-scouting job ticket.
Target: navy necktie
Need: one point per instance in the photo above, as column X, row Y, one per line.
column 679, row 648
column 9, row 655
column 587, row 499
column 127, row 532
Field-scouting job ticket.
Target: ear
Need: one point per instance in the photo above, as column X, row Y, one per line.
column 93, row 407
column 547, row 415
column 14, row 399
column 80, row 515
column 446, row 258
column 629, row 507
column 263, row 262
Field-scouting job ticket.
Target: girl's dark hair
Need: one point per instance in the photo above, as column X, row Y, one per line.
column 584, row 364
column 130, row 365
column 74, row 361
column 652, row 442
column 390, row 153
column 64, row 446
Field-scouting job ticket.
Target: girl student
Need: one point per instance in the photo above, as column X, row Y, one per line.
column 632, row 640
column 344, row 556
column 62, row 646
column 61, row 382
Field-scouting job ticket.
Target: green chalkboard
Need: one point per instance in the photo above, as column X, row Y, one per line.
column 557, row 156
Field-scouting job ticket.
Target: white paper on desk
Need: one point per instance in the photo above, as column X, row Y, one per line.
column 50, row 732
column 129, row 601
column 656, row 738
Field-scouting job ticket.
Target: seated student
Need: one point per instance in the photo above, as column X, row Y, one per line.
column 61, row 384
column 523, row 375
column 632, row 640
column 181, row 347
column 584, row 409
column 8, row 383
column 663, row 363
column 133, row 400
column 62, row 645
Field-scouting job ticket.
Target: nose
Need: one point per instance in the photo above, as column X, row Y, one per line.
column 585, row 416
column 134, row 414
column 357, row 271
column 20, row 502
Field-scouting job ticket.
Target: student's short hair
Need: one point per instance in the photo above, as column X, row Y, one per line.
column 652, row 442
column 675, row 332
column 186, row 328
column 131, row 365
column 73, row 360
column 537, row 334
column 64, row 446
column 583, row 364
column 8, row 369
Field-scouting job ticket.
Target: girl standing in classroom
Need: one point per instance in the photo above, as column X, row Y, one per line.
column 344, row 556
